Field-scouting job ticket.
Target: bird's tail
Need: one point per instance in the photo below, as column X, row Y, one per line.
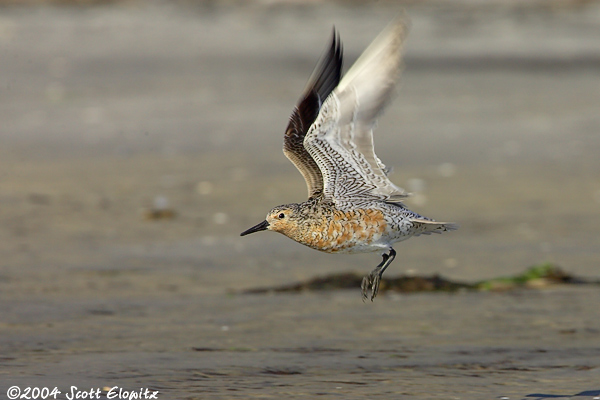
column 426, row 227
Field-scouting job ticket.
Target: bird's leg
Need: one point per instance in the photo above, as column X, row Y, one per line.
column 374, row 278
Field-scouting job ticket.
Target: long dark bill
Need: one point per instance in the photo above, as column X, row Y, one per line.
column 260, row 227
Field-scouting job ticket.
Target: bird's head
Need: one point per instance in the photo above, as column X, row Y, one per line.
column 282, row 219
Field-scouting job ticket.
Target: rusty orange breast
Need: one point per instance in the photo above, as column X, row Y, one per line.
column 341, row 231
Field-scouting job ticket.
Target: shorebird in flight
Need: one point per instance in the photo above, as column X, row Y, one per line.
column 352, row 206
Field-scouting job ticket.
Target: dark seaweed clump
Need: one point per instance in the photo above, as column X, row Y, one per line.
column 537, row 276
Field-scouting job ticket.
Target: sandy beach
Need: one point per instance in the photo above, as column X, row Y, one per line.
column 109, row 113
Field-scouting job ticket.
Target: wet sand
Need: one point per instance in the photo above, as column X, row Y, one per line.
column 108, row 109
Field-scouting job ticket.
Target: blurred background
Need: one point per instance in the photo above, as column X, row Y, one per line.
column 139, row 138
column 112, row 109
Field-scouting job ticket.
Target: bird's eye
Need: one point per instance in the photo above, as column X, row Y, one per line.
column 282, row 215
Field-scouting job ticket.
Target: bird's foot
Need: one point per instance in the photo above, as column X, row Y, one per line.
column 372, row 280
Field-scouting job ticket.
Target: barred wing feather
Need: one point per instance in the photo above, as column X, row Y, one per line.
column 324, row 79
column 341, row 139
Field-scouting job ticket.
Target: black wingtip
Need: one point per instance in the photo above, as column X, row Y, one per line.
column 328, row 71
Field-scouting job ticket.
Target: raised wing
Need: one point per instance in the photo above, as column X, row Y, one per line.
column 341, row 138
column 323, row 80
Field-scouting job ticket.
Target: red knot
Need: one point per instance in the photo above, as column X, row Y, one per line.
column 352, row 206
